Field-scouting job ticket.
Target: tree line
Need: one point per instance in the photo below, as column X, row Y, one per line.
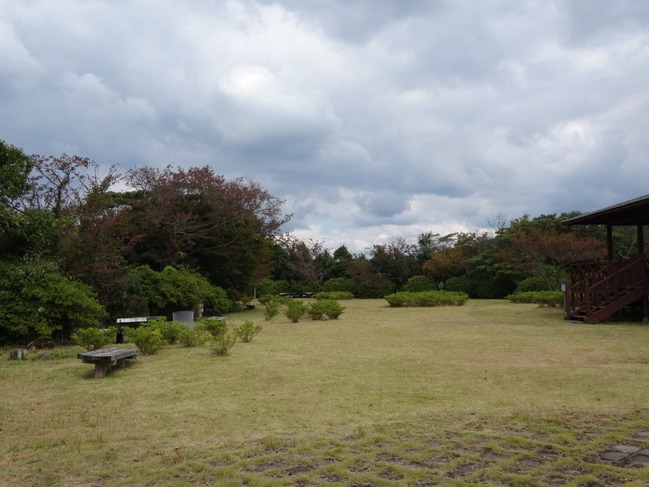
column 74, row 252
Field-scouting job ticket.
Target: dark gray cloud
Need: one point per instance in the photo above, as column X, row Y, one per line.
column 371, row 118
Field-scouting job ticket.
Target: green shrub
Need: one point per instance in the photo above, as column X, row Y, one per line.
column 265, row 299
column 332, row 308
column 193, row 338
column 316, row 310
column 176, row 288
column 147, row 338
column 339, row 295
column 94, row 338
column 339, row 284
column 374, row 287
column 246, row 331
column 324, row 309
column 418, row 284
column 221, row 344
column 213, row 326
column 551, row 299
column 530, row 284
column 170, row 330
column 426, row 298
column 295, row 310
column 271, row 309
column 41, row 303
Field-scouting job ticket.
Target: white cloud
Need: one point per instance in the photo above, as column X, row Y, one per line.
column 370, row 118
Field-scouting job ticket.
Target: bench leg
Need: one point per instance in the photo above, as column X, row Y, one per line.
column 120, row 363
column 101, row 369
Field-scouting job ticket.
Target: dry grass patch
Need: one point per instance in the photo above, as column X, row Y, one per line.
column 490, row 392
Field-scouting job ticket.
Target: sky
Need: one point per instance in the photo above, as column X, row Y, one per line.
column 371, row 119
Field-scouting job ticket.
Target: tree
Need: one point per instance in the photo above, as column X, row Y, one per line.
column 39, row 303
column 15, row 167
column 548, row 253
column 195, row 217
column 174, row 289
column 305, row 260
column 57, row 184
column 396, row 261
column 14, row 171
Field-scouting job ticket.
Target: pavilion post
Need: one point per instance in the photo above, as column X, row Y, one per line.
column 640, row 239
column 609, row 240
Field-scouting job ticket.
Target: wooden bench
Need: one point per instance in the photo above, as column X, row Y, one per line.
column 106, row 358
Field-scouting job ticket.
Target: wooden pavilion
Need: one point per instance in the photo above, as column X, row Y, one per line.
column 597, row 290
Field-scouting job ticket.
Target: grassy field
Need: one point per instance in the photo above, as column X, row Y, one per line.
column 490, row 393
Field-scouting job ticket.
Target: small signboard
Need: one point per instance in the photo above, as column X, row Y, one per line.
column 138, row 319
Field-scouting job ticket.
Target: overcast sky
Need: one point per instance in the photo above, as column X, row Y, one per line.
column 372, row 118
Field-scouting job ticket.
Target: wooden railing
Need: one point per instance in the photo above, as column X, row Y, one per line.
column 599, row 288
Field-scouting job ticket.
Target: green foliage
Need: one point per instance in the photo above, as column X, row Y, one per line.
column 94, row 338
column 325, row 309
column 38, row 303
column 247, row 331
column 213, row 326
column 14, row 171
column 148, row 339
column 295, row 310
column 170, row 330
column 271, row 309
column 265, row 298
column 186, row 289
column 426, row 298
column 374, row 287
column 531, row 284
column 460, row 284
column 551, row 299
column 268, row 287
column 176, row 289
column 419, row 284
column 340, row 295
column 221, row 344
column 193, row 338
column 339, row 284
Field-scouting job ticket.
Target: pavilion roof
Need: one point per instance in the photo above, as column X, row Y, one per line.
column 632, row 212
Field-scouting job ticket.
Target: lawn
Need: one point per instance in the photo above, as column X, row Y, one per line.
column 489, row 393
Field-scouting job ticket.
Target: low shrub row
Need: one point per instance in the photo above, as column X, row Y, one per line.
column 295, row 309
column 550, row 299
column 321, row 309
column 426, row 298
column 152, row 336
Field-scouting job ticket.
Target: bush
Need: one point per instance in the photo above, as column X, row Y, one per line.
column 271, row 309
column 147, row 338
column 193, row 338
column 332, row 308
column 265, row 298
column 170, row 330
column 340, row 295
column 221, row 344
column 94, row 338
column 344, row 284
column 427, row 298
column 40, row 303
column 551, row 299
column 374, row 287
column 295, row 310
column 418, row 284
column 176, row 288
column 530, row 284
column 324, row 309
column 248, row 330
column 316, row 310
column 213, row 326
